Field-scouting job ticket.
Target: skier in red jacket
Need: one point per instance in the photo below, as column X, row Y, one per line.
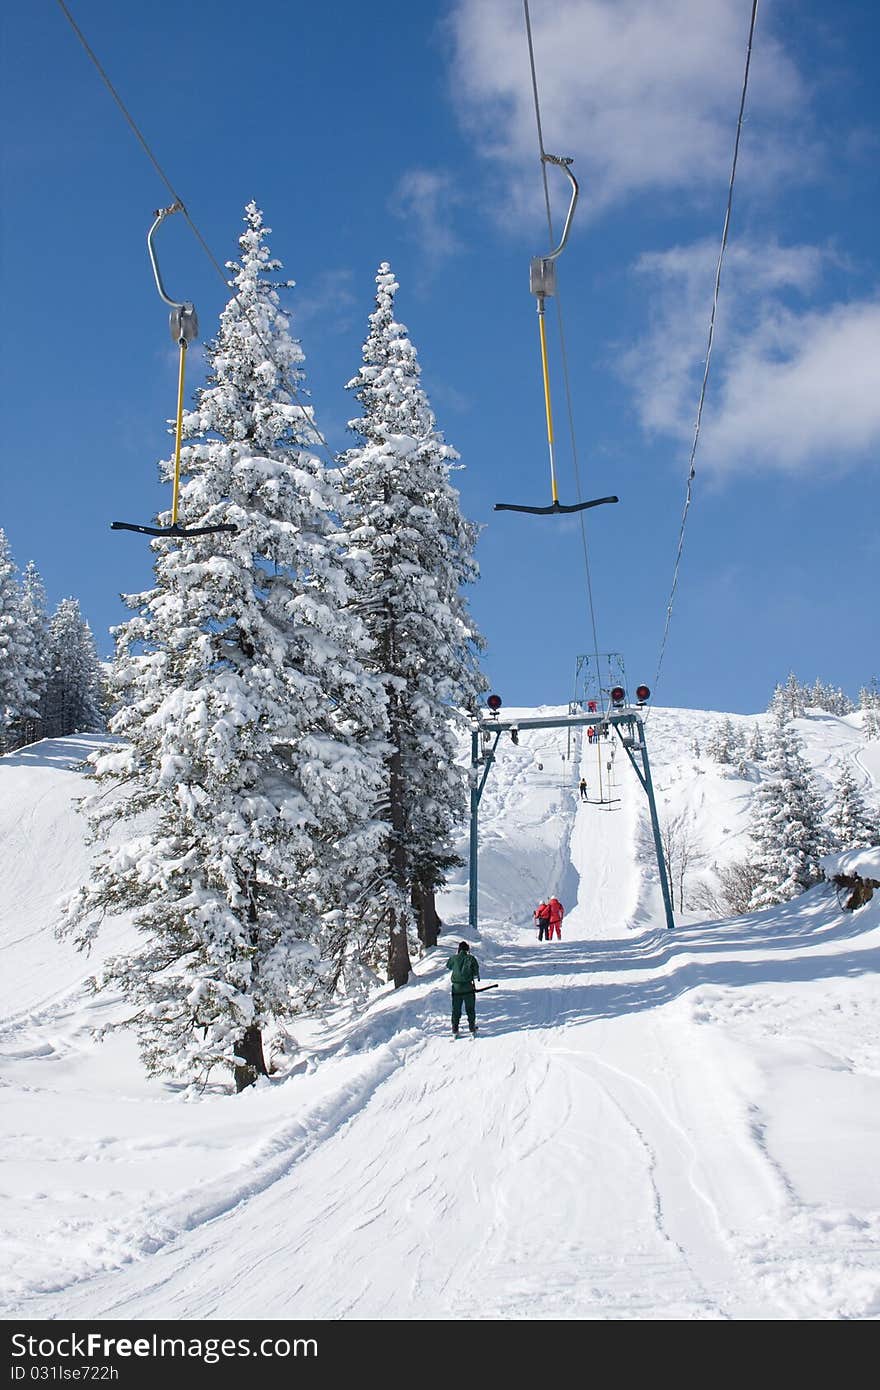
column 557, row 912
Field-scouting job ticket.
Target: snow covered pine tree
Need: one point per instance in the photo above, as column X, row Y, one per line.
column 404, row 517
column 869, row 705
column 13, row 649
column 727, row 742
column 853, row 825
column 786, row 821
column 756, row 749
column 253, row 739
column 35, row 624
column 790, row 700
column 73, row 693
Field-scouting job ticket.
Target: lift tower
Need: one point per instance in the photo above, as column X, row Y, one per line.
column 624, row 719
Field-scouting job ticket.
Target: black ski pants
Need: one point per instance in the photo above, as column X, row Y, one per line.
column 470, row 1003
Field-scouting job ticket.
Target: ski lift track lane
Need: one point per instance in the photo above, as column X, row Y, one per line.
column 513, row 1136
column 705, row 1283
column 722, row 1279
column 436, row 1162
column 652, row 1166
column 507, row 1137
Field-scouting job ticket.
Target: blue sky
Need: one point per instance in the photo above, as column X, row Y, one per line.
column 406, row 132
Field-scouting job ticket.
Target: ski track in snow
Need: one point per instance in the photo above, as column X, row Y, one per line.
column 651, row 1125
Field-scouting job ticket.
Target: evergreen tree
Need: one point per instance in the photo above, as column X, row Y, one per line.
column 851, row 823
column 13, row 650
column 404, row 517
column 716, row 747
column 786, row 822
column 869, row 705
column 72, row 696
column 756, row 749
column 789, row 700
column 252, row 734
column 830, row 698
column 842, row 703
column 35, row 635
column 727, row 743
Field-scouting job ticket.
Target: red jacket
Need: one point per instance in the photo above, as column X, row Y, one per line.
column 557, row 911
column 542, row 912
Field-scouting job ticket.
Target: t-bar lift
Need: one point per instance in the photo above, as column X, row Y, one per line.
column 627, row 724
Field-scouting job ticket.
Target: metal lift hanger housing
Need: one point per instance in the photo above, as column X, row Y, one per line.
column 184, row 324
column 542, row 282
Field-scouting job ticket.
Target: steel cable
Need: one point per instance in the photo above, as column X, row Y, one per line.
column 711, row 339
column 284, row 379
column 563, row 352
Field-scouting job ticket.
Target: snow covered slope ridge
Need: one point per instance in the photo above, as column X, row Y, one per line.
column 650, row 1125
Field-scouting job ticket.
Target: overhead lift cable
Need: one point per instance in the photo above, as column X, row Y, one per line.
column 282, row 374
column 560, row 325
column 691, row 464
column 542, row 283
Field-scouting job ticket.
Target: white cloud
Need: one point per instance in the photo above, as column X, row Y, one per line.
column 425, row 200
column 803, row 391
column 791, row 388
column 328, row 298
column 451, row 398
column 767, row 267
column 643, row 93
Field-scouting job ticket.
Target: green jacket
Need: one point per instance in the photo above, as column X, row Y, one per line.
column 465, row 969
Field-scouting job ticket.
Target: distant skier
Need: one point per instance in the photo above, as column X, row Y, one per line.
column 542, row 920
column 557, row 912
column 591, row 734
column 465, row 970
column 583, row 789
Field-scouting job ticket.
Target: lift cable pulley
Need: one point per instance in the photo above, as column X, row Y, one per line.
column 184, row 324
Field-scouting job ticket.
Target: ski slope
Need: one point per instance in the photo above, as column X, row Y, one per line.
column 651, row 1124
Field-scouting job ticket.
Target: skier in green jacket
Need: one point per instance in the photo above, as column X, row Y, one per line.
column 465, row 970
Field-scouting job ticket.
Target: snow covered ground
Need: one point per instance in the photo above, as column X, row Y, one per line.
column 651, row 1125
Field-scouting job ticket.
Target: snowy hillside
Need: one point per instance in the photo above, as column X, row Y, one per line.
column 650, row 1125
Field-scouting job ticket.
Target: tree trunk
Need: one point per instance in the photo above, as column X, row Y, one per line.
column 399, row 964
column 249, row 1060
column 428, row 922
